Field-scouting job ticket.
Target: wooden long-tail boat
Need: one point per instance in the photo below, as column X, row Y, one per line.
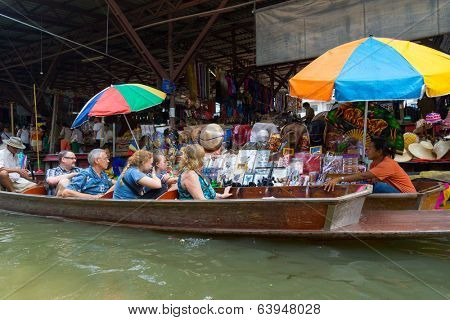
column 266, row 211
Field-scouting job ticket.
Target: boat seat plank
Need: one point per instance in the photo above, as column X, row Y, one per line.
column 400, row 221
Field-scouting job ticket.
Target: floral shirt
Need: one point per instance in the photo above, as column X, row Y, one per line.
column 88, row 181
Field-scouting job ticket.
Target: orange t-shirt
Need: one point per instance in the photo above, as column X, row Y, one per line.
column 390, row 172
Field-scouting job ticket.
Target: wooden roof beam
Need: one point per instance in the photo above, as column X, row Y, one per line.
column 18, row 88
column 135, row 39
column 198, row 41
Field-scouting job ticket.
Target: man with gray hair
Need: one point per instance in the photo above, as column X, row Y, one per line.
column 91, row 183
column 58, row 178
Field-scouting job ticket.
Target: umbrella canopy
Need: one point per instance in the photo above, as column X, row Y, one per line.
column 119, row 99
column 374, row 69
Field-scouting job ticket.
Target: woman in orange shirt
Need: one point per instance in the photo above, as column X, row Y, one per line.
column 385, row 173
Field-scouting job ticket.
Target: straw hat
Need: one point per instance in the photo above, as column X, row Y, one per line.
column 419, row 151
column 441, row 148
column 427, row 144
column 409, row 138
column 15, row 142
column 211, row 137
column 405, row 157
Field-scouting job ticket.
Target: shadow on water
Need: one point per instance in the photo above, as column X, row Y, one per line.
column 86, row 261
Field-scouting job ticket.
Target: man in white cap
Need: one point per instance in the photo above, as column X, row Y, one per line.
column 12, row 177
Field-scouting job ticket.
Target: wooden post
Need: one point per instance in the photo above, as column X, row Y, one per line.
column 36, row 129
column 233, row 46
column 53, row 124
column 171, row 76
column 11, row 110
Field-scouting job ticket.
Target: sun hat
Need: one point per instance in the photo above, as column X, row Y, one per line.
column 427, row 144
column 419, row 151
column 420, row 123
column 405, row 157
column 211, row 137
column 15, row 142
column 441, row 148
column 433, row 118
column 409, row 138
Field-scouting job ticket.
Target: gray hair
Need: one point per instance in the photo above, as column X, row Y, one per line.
column 94, row 154
column 62, row 154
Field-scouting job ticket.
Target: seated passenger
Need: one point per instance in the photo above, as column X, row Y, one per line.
column 161, row 169
column 58, row 178
column 191, row 184
column 91, row 183
column 134, row 183
column 385, row 173
column 116, row 164
column 12, row 177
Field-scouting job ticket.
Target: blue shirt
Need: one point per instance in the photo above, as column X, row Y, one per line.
column 132, row 176
column 88, row 181
column 58, row 171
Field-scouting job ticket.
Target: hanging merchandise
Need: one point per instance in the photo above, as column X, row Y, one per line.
column 219, row 96
column 208, row 83
column 380, row 122
column 192, row 80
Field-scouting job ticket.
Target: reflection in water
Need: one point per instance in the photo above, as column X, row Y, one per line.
column 125, row 263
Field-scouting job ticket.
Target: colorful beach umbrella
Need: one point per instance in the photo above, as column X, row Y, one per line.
column 119, row 99
column 372, row 69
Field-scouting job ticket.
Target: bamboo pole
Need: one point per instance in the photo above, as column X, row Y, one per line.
column 36, row 130
column 11, row 110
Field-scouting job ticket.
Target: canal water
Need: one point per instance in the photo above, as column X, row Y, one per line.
column 50, row 259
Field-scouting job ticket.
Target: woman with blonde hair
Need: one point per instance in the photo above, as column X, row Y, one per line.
column 191, row 184
column 134, row 182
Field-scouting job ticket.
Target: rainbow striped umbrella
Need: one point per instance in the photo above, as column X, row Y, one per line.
column 374, row 69
column 119, row 99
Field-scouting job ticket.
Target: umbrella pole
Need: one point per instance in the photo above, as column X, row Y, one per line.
column 114, row 140
column 132, row 133
column 366, row 109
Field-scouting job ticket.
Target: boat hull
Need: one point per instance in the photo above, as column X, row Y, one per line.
column 322, row 218
column 312, row 214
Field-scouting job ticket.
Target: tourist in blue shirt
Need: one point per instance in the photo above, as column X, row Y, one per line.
column 134, row 182
column 93, row 182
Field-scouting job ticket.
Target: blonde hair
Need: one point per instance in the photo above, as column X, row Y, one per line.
column 136, row 160
column 192, row 157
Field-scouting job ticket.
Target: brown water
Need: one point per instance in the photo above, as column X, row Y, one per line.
column 51, row 259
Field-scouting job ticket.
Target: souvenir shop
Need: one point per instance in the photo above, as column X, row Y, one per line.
column 278, row 149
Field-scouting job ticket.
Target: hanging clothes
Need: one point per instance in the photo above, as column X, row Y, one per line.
column 192, row 80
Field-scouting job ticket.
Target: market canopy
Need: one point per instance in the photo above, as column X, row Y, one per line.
column 374, row 69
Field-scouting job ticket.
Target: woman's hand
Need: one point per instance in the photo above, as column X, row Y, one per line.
column 226, row 193
column 329, row 185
